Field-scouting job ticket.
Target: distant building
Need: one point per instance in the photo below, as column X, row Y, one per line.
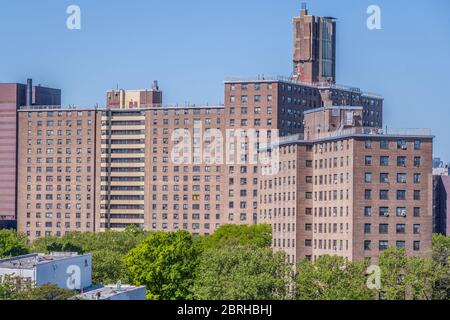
column 12, row 96
column 134, row 99
column 114, row 292
column 66, row 270
column 441, row 203
column 8, row 224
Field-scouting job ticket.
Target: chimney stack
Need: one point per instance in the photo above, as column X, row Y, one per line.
column 29, row 98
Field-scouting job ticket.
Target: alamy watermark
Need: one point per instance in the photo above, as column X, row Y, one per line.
column 374, row 19
column 238, row 147
column 73, row 21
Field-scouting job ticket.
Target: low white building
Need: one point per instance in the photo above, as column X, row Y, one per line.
column 66, row 270
column 114, row 292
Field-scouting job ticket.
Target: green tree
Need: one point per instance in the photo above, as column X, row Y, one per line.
column 107, row 249
column 239, row 235
column 410, row 277
column 393, row 265
column 12, row 244
column 441, row 255
column 46, row 292
column 332, row 278
column 441, row 249
column 242, row 273
column 165, row 263
column 11, row 287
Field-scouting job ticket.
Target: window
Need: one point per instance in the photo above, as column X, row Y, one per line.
column 401, row 177
column 368, row 144
column 384, row 194
column 416, row 178
column 417, row 144
column 384, row 144
column 401, row 194
column 368, row 161
column 401, row 212
column 400, row 228
column 367, row 244
column 368, row 211
column 384, row 161
column 416, row 194
column 416, row 229
column 368, row 194
column 384, row 177
column 401, row 161
column 368, row 177
column 384, row 228
column 400, row 244
column 401, row 144
column 384, row 212
column 383, row 245
column 416, row 245
column 416, row 212
column 417, row 161
column 367, row 228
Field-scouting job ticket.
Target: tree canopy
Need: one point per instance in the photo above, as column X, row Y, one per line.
column 242, row 273
column 12, row 244
column 332, row 278
column 165, row 263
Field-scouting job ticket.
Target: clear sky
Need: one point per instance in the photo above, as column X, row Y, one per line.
column 192, row 46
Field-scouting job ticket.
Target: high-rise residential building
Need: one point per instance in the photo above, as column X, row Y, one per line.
column 57, row 169
column 314, row 48
column 348, row 190
column 12, row 96
column 441, row 203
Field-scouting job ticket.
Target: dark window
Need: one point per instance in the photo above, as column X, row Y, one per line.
column 400, row 244
column 401, row 195
column 384, row 161
column 384, row 228
column 400, row 228
column 383, row 245
column 384, row 194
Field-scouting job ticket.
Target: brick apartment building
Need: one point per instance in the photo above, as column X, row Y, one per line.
column 344, row 189
column 96, row 169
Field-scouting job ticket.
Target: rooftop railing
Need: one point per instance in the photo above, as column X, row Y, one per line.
column 412, row 132
column 319, row 85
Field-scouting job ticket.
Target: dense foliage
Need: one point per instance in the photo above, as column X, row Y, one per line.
column 165, row 263
column 12, row 244
column 242, row 273
column 332, row 278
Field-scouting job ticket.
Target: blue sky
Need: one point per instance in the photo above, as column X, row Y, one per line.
column 192, row 46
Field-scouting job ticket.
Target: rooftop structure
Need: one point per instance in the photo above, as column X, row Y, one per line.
column 66, row 270
column 114, row 292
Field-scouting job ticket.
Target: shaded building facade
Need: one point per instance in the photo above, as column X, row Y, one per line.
column 12, row 96
column 441, row 202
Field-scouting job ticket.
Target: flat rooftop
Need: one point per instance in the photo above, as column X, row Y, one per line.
column 106, row 292
column 30, row 261
column 318, row 85
column 44, row 108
